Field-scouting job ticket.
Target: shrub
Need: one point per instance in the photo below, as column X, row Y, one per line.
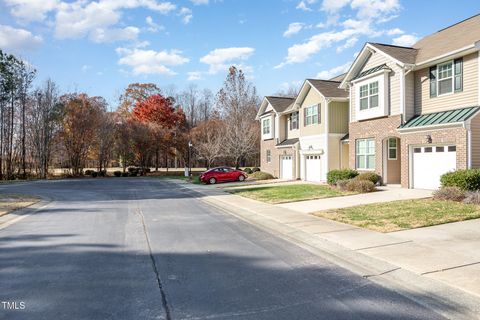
column 248, row 170
column 133, row 174
column 125, row 174
column 102, row 173
column 255, row 169
column 342, row 184
column 369, row 176
column 133, row 169
column 361, row 186
column 340, row 174
column 449, row 193
column 472, row 197
column 89, row 172
column 468, row 180
column 117, row 173
column 94, row 174
column 148, row 170
column 259, row 175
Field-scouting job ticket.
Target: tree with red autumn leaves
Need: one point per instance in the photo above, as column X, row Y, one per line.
column 166, row 125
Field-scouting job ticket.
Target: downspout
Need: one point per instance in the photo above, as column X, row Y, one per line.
column 327, row 130
column 468, row 127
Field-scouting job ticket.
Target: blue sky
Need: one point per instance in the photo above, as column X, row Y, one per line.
column 101, row 46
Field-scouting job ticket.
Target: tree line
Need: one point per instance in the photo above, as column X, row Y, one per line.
column 42, row 129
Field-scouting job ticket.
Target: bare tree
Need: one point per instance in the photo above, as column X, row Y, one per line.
column 105, row 139
column 208, row 138
column 237, row 101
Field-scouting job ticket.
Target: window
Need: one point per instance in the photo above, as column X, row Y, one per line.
column 365, row 154
column 294, row 120
column 417, row 150
column 392, row 149
column 269, row 156
column 312, row 115
column 266, row 126
column 428, row 149
column 452, row 148
column 369, row 96
column 440, row 149
column 445, row 78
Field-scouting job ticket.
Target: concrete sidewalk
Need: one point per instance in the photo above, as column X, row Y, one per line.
column 403, row 259
column 385, row 194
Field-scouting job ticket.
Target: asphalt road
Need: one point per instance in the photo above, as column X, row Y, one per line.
column 140, row 248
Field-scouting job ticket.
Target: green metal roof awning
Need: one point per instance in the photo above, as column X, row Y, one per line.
column 443, row 117
column 370, row 71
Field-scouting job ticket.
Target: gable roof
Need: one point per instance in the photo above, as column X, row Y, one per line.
column 442, row 117
column 403, row 54
column 460, row 35
column 280, row 104
column 328, row 88
column 339, row 78
column 370, row 71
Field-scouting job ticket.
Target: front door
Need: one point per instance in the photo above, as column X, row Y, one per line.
column 313, row 168
column 287, row 168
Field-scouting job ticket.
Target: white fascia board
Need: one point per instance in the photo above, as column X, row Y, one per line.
column 379, row 72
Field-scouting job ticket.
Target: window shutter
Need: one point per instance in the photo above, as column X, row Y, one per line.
column 318, row 113
column 458, row 63
column 433, row 81
column 290, row 120
column 304, row 117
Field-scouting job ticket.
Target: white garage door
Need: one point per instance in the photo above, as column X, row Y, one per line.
column 430, row 162
column 312, row 166
column 287, row 168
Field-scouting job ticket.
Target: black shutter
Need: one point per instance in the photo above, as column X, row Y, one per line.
column 458, row 75
column 318, row 113
column 304, row 117
column 290, row 120
column 433, row 81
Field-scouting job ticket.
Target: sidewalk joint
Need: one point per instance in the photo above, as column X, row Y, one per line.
column 451, row 268
column 384, row 245
column 380, row 274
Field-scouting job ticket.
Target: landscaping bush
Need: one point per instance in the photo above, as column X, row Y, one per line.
column 248, row 171
column 88, row 172
column 133, row 173
column 102, row 173
column 94, row 174
column 369, row 176
column 472, row 197
column 342, row 184
column 340, row 174
column 361, row 186
column 259, row 175
column 125, row 174
column 117, row 173
column 148, row 170
column 255, row 169
column 133, row 169
column 449, row 193
column 467, row 180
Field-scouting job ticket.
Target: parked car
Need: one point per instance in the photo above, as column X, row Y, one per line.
column 222, row 174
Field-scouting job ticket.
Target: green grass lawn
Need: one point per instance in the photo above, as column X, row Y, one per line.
column 404, row 214
column 289, row 193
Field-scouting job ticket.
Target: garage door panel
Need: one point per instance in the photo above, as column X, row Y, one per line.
column 430, row 163
column 287, row 168
column 313, row 168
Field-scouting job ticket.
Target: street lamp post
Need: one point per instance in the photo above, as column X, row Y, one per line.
column 189, row 159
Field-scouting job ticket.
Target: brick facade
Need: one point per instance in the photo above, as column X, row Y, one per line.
column 273, row 166
column 378, row 129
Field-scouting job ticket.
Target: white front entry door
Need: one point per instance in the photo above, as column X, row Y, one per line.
column 286, row 168
column 312, row 168
column 430, row 162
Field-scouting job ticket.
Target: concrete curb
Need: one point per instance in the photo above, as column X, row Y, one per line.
column 20, row 214
column 448, row 301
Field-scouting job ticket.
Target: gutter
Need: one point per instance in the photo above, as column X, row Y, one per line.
column 431, row 127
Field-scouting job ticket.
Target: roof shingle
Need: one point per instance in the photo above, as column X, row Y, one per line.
column 280, row 104
column 402, row 54
column 328, row 88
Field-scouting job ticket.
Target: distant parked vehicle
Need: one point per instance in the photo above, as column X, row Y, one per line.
column 222, row 174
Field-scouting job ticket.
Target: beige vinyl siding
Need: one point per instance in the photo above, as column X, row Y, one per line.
column 282, row 130
column 334, row 152
column 295, row 133
column 312, row 98
column 468, row 97
column 475, row 125
column 409, row 96
column 338, row 117
column 352, row 104
column 268, row 108
column 344, row 155
column 393, row 84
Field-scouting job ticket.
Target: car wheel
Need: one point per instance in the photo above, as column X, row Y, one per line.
column 212, row 180
column 241, row 178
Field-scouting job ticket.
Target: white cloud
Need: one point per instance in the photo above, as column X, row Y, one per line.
column 31, row 10
column 405, row 40
column 150, row 61
column 369, row 9
column 303, row 5
column 17, row 40
column 334, row 5
column 199, row 2
column 186, row 15
column 114, row 34
column 85, row 68
column 220, row 59
column 194, row 76
column 293, row 28
column 395, row 31
column 348, row 44
column 152, row 25
column 328, row 74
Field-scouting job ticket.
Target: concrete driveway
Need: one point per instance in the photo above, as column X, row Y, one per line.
column 139, row 248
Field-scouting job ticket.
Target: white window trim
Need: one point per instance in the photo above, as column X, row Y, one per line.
column 451, row 77
column 383, row 95
column 392, row 148
column 264, row 127
column 313, row 107
column 369, row 95
column 298, row 121
column 365, row 155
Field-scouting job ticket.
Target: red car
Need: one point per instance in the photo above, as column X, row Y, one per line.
column 222, row 174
